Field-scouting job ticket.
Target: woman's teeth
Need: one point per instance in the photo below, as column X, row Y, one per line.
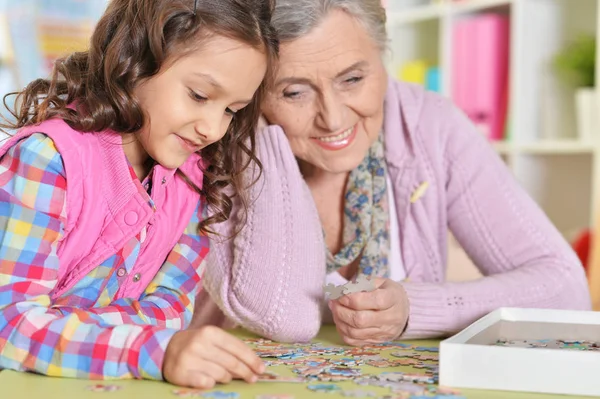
column 341, row 136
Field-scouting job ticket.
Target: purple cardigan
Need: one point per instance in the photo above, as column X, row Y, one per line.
column 269, row 279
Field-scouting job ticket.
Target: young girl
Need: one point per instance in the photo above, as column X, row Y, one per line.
column 105, row 188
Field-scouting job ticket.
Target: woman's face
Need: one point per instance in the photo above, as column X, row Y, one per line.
column 328, row 94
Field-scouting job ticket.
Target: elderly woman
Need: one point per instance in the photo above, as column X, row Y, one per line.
column 382, row 170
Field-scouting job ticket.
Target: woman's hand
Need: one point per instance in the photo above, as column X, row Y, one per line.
column 372, row 317
column 203, row 357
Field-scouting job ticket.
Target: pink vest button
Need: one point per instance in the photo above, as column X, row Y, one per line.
column 131, row 218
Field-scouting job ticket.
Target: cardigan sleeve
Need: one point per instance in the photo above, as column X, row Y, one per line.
column 524, row 260
column 269, row 276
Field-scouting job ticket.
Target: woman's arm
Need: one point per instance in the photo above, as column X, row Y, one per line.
column 269, row 277
column 524, row 259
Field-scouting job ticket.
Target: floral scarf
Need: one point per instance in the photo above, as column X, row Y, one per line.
column 366, row 217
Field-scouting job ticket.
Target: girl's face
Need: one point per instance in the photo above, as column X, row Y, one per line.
column 191, row 102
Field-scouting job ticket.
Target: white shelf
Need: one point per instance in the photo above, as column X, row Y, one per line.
column 415, row 14
column 557, row 147
column 549, row 147
column 502, row 147
column 469, row 6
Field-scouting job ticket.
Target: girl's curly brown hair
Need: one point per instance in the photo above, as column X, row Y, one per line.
column 131, row 42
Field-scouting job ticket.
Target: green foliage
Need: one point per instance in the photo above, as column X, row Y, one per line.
column 576, row 63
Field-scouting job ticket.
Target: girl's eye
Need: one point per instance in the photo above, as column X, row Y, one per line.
column 200, row 99
column 197, row 97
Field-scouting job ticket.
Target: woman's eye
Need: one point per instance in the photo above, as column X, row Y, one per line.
column 292, row 94
column 354, row 79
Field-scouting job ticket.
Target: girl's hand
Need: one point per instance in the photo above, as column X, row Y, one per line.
column 372, row 317
column 200, row 358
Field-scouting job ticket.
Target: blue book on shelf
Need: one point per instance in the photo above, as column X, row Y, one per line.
column 433, row 79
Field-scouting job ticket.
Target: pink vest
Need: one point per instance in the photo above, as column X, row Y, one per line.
column 105, row 209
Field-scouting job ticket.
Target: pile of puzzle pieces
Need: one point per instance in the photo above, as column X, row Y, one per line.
column 320, row 367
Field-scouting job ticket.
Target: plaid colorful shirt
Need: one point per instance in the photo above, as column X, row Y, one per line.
column 85, row 333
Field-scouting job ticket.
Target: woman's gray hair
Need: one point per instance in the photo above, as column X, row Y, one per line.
column 293, row 19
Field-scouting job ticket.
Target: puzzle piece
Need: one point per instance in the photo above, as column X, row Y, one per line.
column 391, row 376
column 409, row 388
column 441, row 390
column 275, row 353
column 348, row 362
column 420, row 365
column 103, row 388
column 272, row 377
column 427, row 358
column 427, row 349
column 438, row 397
column 334, row 291
column 373, row 381
column 324, row 388
column 389, row 345
column 422, row 378
column 344, row 371
column 368, row 358
column 403, row 354
column 553, row 344
column 319, row 349
column 406, row 377
column 188, row 393
column 384, row 363
column 285, row 362
column 361, row 352
column 362, row 284
column 357, row 393
column 409, row 362
column 308, row 372
column 220, row 395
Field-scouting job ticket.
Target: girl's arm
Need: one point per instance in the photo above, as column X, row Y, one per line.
column 524, row 259
column 93, row 344
column 269, row 277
